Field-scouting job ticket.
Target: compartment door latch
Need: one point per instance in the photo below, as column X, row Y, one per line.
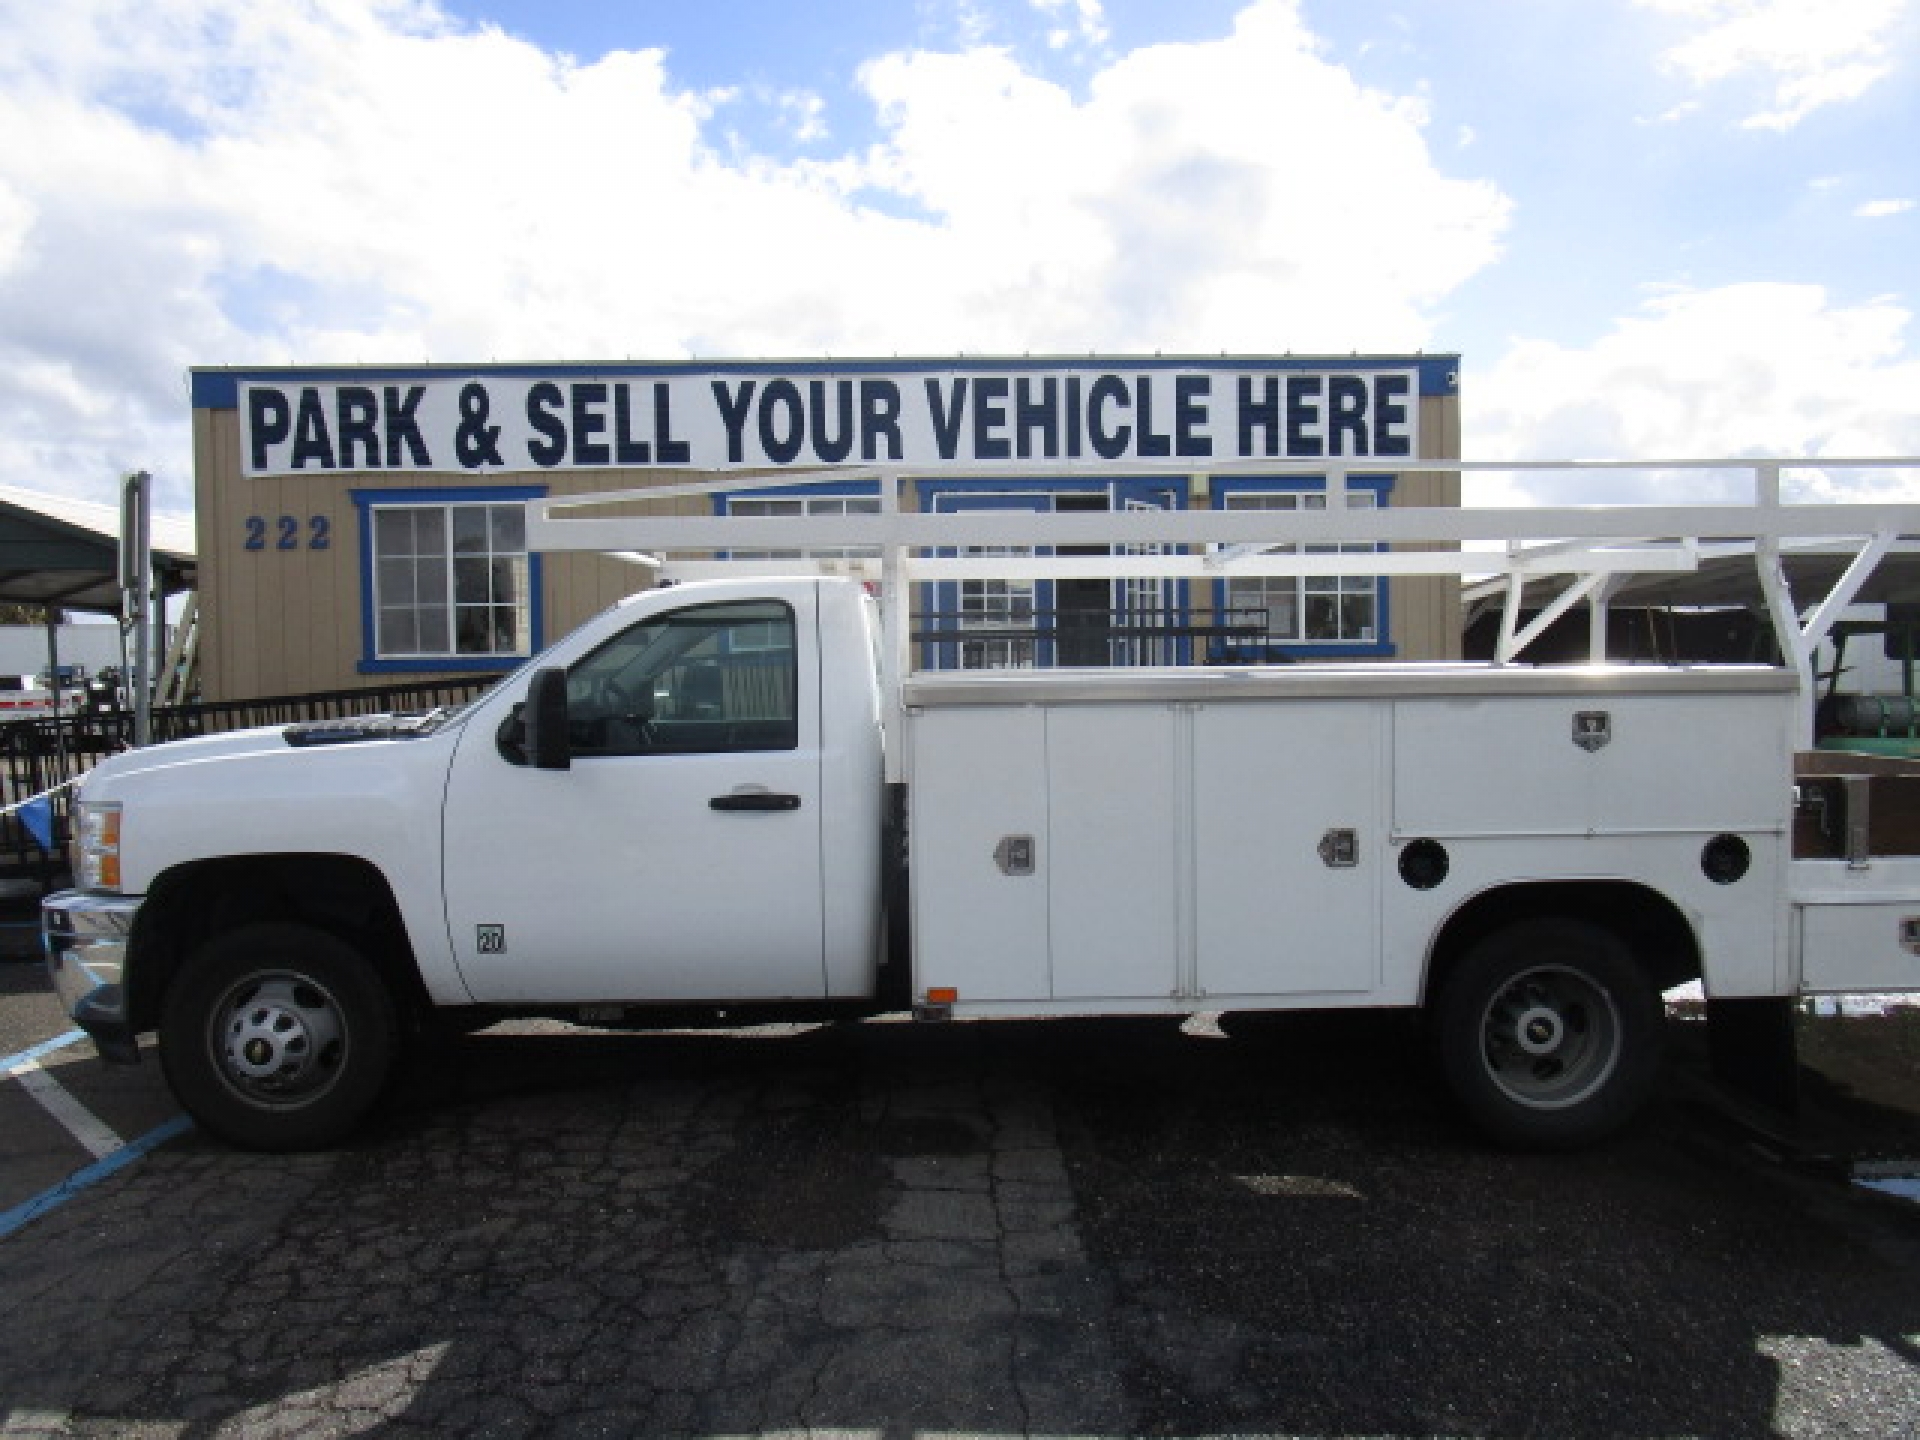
column 1340, row 849
column 1014, row 855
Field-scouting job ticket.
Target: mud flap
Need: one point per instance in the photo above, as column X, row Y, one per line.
column 894, row 984
column 1751, row 1043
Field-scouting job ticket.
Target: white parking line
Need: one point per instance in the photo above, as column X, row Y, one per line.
column 33, row 1424
column 80, row 1122
column 111, row 1153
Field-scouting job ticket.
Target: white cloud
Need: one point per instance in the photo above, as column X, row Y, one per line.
column 215, row 181
column 1811, row 53
column 1075, row 22
column 1191, row 200
column 970, row 21
column 806, row 114
column 1758, row 369
column 1881, row 209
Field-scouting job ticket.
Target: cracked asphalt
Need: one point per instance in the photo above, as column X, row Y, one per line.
column 887, row 1230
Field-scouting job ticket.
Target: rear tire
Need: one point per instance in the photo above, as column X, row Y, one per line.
column 1549, row 1034
column 277, row 1037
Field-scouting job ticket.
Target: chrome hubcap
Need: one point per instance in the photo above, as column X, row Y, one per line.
column 279, row 1039
column 1550, row 1038
column 1540, row 1031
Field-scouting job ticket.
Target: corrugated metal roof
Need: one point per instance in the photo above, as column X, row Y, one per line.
column 56, row 550
column 172, row 534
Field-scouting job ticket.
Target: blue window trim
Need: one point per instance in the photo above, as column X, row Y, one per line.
column 863, row 489
column 365, row 501
column 1233, row 652
column 723, row 500
column 1120, row 487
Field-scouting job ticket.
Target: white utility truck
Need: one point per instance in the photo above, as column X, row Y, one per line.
column 721, row 800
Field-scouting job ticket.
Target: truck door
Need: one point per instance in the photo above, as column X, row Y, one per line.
column 679, row 857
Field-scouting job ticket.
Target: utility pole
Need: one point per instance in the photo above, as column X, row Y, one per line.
column 136, row 589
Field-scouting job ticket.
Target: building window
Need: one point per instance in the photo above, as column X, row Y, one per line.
column 450, row 582
column 1312, row 612
column 803, row 505
column 853, row 500
column 996, row 604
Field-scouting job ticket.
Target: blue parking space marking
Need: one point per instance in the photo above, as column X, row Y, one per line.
column 45, row 1047
column 48, row 1200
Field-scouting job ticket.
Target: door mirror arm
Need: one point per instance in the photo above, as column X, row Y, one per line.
column 511, row 738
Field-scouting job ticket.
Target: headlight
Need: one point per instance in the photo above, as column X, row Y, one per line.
column 97, row 851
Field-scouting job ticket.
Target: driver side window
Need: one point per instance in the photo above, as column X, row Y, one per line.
column 706, row 679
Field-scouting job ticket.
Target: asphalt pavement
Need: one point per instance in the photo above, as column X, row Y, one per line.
column 890, row 1230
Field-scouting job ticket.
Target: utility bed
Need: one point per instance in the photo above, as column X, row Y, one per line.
column 1294, row 836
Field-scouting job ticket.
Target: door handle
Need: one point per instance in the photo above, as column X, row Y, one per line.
column 755, row 800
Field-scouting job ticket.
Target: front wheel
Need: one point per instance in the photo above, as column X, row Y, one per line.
column 1549, row 1034
column 277, row 1037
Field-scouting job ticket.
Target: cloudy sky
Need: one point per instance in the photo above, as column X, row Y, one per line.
column 1650, row 227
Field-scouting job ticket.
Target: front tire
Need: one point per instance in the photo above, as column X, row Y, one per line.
column 277, row 1037
column 1549, row 1034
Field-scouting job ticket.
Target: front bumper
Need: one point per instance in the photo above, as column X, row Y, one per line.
column 87, row 938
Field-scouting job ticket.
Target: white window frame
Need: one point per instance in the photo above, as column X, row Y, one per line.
column 796, row 505
column 1301, row 594
column 442, row 603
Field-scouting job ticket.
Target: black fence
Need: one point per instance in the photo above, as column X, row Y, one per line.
column 968, row 639
column 42, row 755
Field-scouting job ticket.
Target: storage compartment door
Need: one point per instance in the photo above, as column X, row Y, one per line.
column 1860, row 947
column 1114, row 866
column 1272, row 783
column 978, row 784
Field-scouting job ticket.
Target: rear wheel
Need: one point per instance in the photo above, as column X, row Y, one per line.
column 1549, row 1034
column 277, row 1037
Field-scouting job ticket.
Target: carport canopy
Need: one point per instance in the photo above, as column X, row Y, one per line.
column 1729, row 578
column 65, row 553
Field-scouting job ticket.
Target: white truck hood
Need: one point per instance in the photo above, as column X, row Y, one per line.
column 265, row 740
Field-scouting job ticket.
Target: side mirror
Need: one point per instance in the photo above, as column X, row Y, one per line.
column 543, row 721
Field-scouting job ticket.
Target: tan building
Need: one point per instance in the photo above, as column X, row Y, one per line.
column 359, row 526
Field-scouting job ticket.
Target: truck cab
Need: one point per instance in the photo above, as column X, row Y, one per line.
column 679, row 805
